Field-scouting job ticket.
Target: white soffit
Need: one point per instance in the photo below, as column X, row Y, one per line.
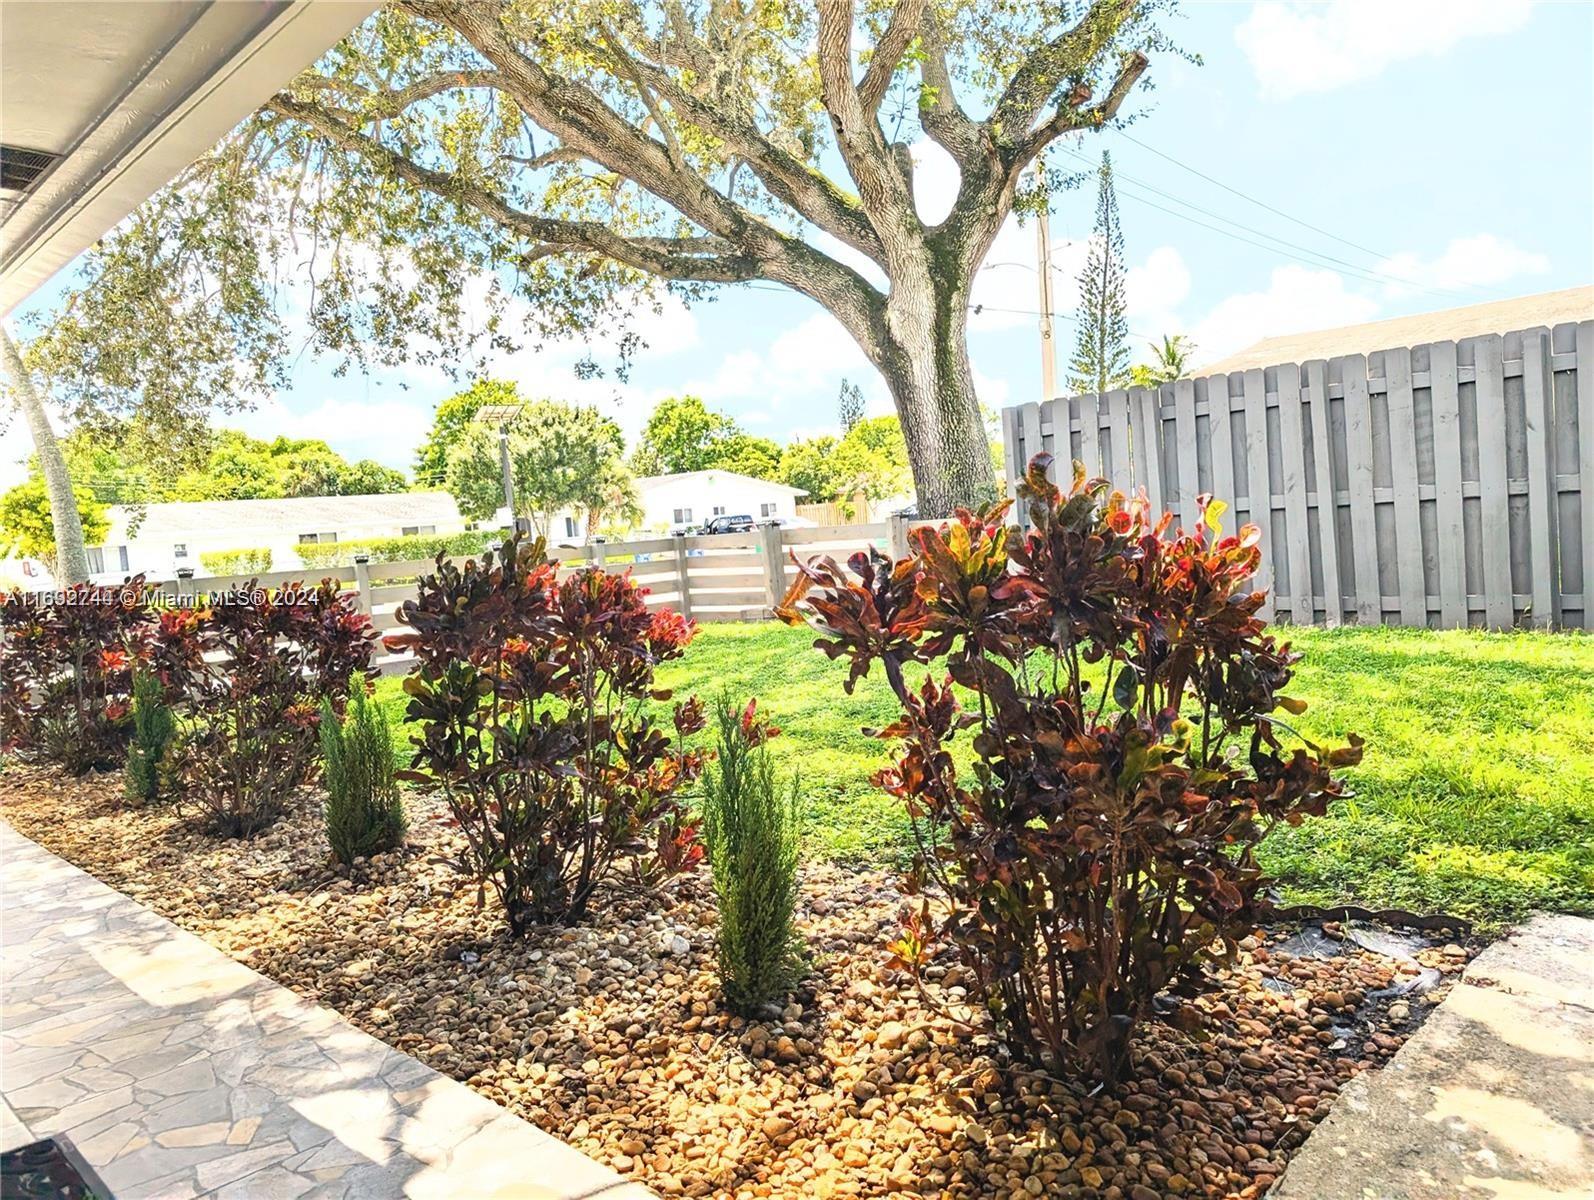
column 125, row 95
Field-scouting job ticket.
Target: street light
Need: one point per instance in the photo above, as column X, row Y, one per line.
column 501, row 415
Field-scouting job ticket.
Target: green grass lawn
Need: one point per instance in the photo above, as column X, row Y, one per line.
column 1476, row 795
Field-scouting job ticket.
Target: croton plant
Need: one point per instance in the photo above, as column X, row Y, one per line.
column 530, row 698
column 66, row 685
column 250, row 670
column 1094, row 849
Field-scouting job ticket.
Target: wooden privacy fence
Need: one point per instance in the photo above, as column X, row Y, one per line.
column 720, row 577
column 1448, row 484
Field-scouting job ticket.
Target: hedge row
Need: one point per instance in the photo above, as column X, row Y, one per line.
column 247, row 560
column 397, row 549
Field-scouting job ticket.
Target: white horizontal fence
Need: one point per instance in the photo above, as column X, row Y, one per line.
column 717, row 577
column 1443, row 485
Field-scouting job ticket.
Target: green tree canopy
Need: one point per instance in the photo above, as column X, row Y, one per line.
column 612, row 503
column 871, row 458
column 226, row 465
column 809, row 464
column 239, row 467
column 451, row 420
column 747, row 454
column 1169, row 361
column 26, row 528
column 561, row 456
column 682, row 434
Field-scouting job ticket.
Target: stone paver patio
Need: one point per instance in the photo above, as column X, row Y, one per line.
column 1492, row 1099
column 179, row 1073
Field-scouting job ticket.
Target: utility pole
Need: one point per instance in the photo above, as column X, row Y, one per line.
column 501, row 415
column 503, row 462
column 1043, row 232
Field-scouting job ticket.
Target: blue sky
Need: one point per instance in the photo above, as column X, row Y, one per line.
column 1449, row 140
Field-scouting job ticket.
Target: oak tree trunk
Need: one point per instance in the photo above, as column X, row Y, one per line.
column 71, row 559
column 925, row 361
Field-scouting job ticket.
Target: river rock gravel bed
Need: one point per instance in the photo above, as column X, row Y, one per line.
column 610, row 1035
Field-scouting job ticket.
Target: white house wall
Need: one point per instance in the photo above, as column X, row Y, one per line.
column 732, row 495
column 155, row 556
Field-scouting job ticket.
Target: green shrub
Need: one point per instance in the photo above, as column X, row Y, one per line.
column 750, row 826
column 415, row 547
column 364, row 815
column 249, row 560
column 153, row 730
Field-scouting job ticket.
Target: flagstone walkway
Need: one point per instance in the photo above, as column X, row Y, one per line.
column 179, row 1073
column 1492, row 1099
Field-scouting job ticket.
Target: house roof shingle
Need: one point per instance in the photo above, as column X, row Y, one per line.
column 648, row 482
column 219, row 518
column 1447, row 325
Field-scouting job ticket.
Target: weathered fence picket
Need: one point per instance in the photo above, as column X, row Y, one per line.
column 1447, row 484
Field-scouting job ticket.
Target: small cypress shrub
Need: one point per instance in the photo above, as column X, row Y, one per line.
column 154, row 727
column 364, row 814
column 750, row 825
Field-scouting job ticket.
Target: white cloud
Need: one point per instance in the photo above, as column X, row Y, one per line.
column 1475, row 261
column 992, row 391
column 1296, row 299
column 1154, row 290
column 387, row 430
column 799, row 371
column 1297, row 47
column 15, row 446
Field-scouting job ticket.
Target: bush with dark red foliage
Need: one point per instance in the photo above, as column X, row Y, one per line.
column 252, row 668
column 530, row 700
column 24, row 656
column 67, row 683
column 1128, row 752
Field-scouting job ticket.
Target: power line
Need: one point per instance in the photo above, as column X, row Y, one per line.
column 1252, row 199
column 1317, row 257
column 1359, row 274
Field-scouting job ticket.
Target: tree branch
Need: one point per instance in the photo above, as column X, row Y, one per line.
column 808, row 193
column 632, row 69
column 888, row 51
column 1045, row 70
column 1067, row 117
column 578, row 117
column 392, row 103
column 943, row 118
column 887, row 202
column 548, row 158
column 697, row 259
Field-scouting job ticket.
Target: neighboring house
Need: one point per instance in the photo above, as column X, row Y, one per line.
column 161, row 538
column 688, row 500
column 24, row 574
column 672, row 503
column 1447, row 325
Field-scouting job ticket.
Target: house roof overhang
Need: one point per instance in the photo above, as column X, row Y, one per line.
column 117, row 98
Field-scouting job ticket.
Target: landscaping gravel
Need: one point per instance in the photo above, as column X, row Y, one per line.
column 610, row 1035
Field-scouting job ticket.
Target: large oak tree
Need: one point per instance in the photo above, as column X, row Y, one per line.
column 586, row 146
column 465, row 172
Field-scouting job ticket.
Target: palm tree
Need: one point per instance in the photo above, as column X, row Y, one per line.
column 1168, row 361
column 613, row 499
